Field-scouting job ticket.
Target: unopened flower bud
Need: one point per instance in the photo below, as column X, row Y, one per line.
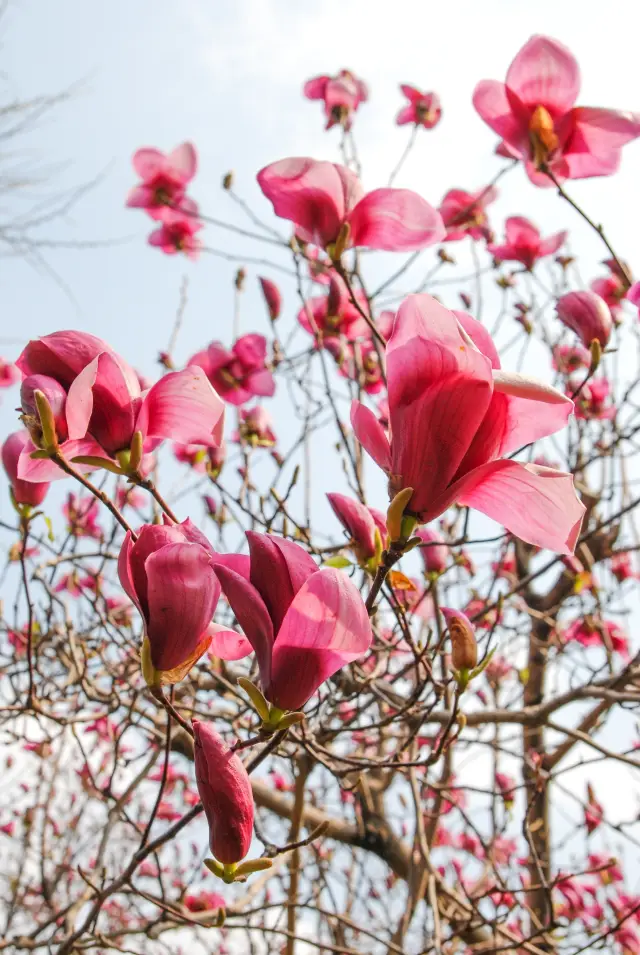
column 227, row 181
column 587, row 315
column 464, row 649
column 272, row 297
column 241, row 275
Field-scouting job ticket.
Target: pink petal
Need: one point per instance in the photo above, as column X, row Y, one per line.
column 251, row 350
column 279, row 568
column 534, row 410
column 182, row 593
column 61, row 355
column 480, row 336
column 326, row 627
column 184, row 160
column 545, row 73
column 148, row 162
column 633, row 295
column 101, row 397
column 537, row 504
column 315, row 196
column 252, row 615
column 261, row 383
column 315, row 88
column 184, row 407
column 412, row 94
column 140, row 197
column 357, row 519
column 371, row 435
column 125, row 573
column 492, row 103
column 604, row 130
column 519, row 231
column 395, row 220
column 406, row 115
column 227, row 644
column 551, row 244
column 46, row 470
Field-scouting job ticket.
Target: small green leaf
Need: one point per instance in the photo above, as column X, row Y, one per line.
column 338, row 561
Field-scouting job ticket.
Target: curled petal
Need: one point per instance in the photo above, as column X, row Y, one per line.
column 184, row 407
column 395, row 220
column 545, row 73
column 371, row 435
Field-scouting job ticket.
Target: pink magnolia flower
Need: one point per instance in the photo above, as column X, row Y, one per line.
column 435, row 553
column 423, row 109
column 272, row 297
column 304, row 624
column 594, row 632
column 204, row 901
column 610, row 868
column 506, row 786
column 453, row 413
column 24, row 492
column 168, row 574
column 341, row 94
column 164, row 178
column 524, row 244
column 178, row 231
column 192, row 454
column 622, row 567
column 464, row 213
column 593, row 811
column 587, row 315
column 225, row 791
column 256, row 428
column 334, row 315
column 105, row 406
column 568, row 359
column 613, row 288
column 534, row 114
column 592, row 402
column 239, row 374
column 325, row 201
column 366, row 526
column 9, row 373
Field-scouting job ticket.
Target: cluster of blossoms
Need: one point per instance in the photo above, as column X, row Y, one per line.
column 446, row 434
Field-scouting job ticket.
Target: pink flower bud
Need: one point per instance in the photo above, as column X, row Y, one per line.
column 464, row 649
column 25, row 492
column 587, row 315
column 361, row 522
column 55, row 395
column 168, row 574
column 225, row 791
column 272, row 297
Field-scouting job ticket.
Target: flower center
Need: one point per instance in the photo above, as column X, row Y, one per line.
column 542, row 136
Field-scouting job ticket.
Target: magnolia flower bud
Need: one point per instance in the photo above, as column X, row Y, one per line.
column 587, row 315
column 272, row 297
column 30, row 493
column 464, row 649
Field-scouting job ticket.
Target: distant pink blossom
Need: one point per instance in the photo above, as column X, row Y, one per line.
column 464, row 213
column 82, row 516
column 593, row 400
column 164, row 178
column 613, row 288
column 256, row 428
column 568, row 359
column 239, row 374
column 341, row 94
column 423, row 109
column 524, row 244
column 334, row 315
column 323, row 200
column 272, row 297
column 593, row 811
column 359, row 362
column 594, row 632
column 534, row 114
column 9, row 373
column 177, row 233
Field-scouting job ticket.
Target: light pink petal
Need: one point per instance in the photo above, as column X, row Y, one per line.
column 103, row 398
column 584, row 165
column 140, row 197
column 519, row 231
column 148, row 162
column 545, row 73
column 252, row 615
column 315, row 196
column 182, row 593
column 604, row 130
column 315, row 88
column 227, row 644
column 492, row 103
column 45, row 470
column 326, row 626
column 552, row 243
column 395, row 220
column 406, row 115
column 537, row 504
column 480, row 336
column 261, row 383
column 371, row 435
column 633, row 295
column 534, row 410
column 184, row 160
column 184, row 407
column 79, row 405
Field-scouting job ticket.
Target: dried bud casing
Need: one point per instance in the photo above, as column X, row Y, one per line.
column 464, row 649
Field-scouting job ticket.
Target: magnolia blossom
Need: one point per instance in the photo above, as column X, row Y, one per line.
column 587, row 315
column 366, row 526
column 302, row 623
column 523, row 243
column 168, row 574
column 594, row 632
column 464, row 213
column 100, row 400
column 453, row 415
column 534, row 114
column 341, row 95
column 256, row 428
column 359, row 362
column 593, row 400
column 82, row 513
column 568, row 359
column 164, row 178
column 613, row 288
column 9, row 373
column 177, row 233
column 593, row 811
column 423, row 109
column 325, row 201
column 334, row 315
column 239, row 374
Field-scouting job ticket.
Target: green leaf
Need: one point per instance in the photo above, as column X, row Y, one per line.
column 338, row 561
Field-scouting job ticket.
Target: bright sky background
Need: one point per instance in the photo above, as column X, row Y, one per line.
column 228, row 75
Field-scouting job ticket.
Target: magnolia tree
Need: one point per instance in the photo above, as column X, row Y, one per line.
column 324, row 681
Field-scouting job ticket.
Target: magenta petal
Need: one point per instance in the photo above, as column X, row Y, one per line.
column 316, row 87
column 251, row 350
column 395, row 220
column 480, row 336
column 371, row 435
column 182, row 591
column 537, row 504
column 103, row 399
column 358, row 521
column 279, row 568
column 605, row 130
column 492, row 103
column 125, row 572
column 140, row 197
column 61, row 355
column 261, row 383
column 184, row 407
column 252, row 615
column 326, row 626
column 227, row 644
column 46, row 470
column 406, row 115
column 545, row 73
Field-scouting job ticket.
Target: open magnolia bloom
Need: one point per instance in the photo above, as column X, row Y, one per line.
column 98, row 404
column 454, row 414
column 302, row 623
